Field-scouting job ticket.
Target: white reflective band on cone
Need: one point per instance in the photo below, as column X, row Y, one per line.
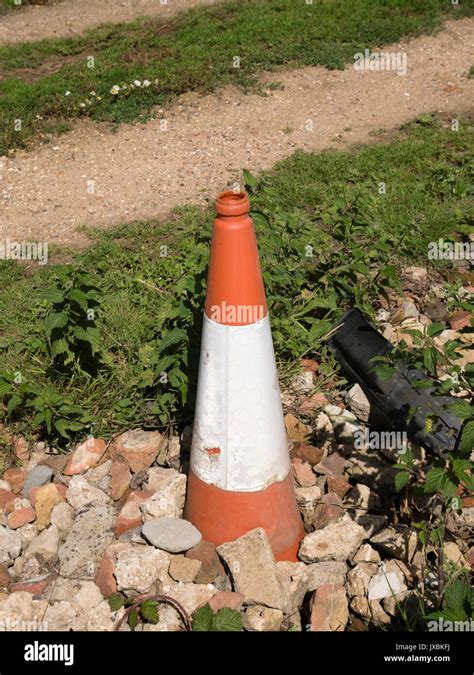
column 239, row 437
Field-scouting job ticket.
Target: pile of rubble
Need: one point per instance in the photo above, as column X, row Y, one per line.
column 77, row 529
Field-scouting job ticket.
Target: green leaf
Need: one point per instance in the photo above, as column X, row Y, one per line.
column 227, row 620
column 59, row 346
column 462, row 409
column 467, row 438
column 435, row 329
column 401, row 479
column 53, row 321
column 54, row 296
column 437, row 480
column 133, row 619
column 62, row 428
column 457, row 598
column 422, row 384
column 13, row 403
column 249, row 180
column 203, row 619
column 149, row 611
column 260, row 220
column 173, row 337
column 79, row 298
column 116, row 601
column 461, row 468
column 430, row 359
column 5, row 388
column 48, row 418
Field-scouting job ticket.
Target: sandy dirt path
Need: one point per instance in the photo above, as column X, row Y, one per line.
column 142, row 171
column 73, row 17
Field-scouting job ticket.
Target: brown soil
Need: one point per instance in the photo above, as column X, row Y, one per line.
column 73, row 17
column 142, row 172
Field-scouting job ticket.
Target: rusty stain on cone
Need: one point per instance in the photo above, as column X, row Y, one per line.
column 240, row 475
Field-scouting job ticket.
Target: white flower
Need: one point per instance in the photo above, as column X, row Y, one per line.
column 115, row 89
column 82, row 105
column 93, row 93
column 68, row 93
column 146, row 83
column 137, row 83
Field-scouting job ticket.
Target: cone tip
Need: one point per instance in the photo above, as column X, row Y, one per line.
column 232, row 203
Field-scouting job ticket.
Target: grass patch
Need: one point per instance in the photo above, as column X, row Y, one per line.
column 328, row 239
column 196, row 51
column 7, row 5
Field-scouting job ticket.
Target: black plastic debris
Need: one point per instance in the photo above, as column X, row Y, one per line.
column 395, row 403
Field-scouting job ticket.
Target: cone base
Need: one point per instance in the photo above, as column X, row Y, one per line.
column 223, row 516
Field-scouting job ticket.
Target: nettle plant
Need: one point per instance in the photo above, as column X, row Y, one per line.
column 71, row 320
column 444, row 482
column 143, row 609
column 42, row 407
column 70, row 337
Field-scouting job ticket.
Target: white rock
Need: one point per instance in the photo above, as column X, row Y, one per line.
column 359, row 578
column 138, row 568
column 360, row 498
column 262, row 619
column 83, row 595
column 10, row 545
column 61, row 616
column 386, row 584
column 45, row 544
column 409, row 310
column 370, row 610
column 20, row 612
column 88, row 597
column 307, row 499
column 400, row 542
column 358, row 402
column 322, row 573
column 191, row 596
column 174, row 535
column 81, row 493
column 253, row 569
column 294, row 582
column 366, row 554
column 337, row 541
column 89, row 536
column 453, row 553
column 99, row 476
column 170, row 491
column 27, row 533
column 62, row 516
column 322, row 424
column 302, row 383
column 101, row 619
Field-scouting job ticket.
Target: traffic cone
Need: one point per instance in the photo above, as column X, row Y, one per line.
column 240, row 475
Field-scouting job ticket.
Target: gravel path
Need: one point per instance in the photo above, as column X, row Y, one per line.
column 73, row 17
column 142, row 172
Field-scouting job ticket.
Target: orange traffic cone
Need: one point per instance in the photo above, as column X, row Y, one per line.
column 240, row 475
